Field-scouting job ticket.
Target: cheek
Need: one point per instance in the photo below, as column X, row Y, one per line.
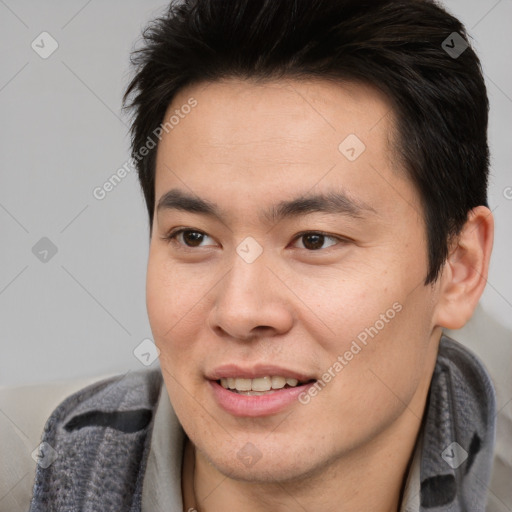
column 394, row 358
column 166, row 301
column 168, row 292
column 176, row 303
column 159, row 297
column 339, row 307
column 379, row 329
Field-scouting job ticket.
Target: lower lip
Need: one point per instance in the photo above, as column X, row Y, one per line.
column 256, row 405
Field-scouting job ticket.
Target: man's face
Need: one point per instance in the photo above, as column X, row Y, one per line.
column 305, row 293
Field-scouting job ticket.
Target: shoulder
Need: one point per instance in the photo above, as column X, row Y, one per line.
column 466, row 367
column 24, row 412
column 119, row 393
column 488, row 338
column 464, row 388
column 458, row 430
column 96, row 442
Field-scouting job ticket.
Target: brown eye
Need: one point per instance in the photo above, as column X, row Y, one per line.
column 313, row 241
column 189, row 237
column 192, row 238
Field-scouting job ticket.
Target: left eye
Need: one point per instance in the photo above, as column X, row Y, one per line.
column 314, row 240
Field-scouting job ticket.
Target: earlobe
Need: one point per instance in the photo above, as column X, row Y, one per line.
column 465, row 271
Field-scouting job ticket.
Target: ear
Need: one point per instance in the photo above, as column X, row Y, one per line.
column 465, row 271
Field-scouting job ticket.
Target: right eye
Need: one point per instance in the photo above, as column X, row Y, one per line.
column 185, row 237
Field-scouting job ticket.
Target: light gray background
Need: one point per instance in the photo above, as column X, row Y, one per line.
column 62, row 134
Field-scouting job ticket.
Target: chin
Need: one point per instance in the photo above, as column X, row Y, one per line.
column 263, row 474
column 272, row 467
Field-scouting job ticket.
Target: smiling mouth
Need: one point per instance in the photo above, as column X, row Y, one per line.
column 261, row 385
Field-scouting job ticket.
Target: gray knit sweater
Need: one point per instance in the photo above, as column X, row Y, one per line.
column 102, row 436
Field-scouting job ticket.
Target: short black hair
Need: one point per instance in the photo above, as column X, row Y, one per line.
column 401, row 47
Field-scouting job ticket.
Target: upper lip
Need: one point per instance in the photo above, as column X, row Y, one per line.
column 252, row 372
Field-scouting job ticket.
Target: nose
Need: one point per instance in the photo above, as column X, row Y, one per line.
column 251, row 301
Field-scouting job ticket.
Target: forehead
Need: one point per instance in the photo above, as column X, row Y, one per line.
column 246, row 110
column 277, row 136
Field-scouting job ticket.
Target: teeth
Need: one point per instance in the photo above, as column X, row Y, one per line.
column 243, row 384
column 260, row 384
column 278, row 382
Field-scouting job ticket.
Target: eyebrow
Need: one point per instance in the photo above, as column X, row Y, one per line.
column 332, row 202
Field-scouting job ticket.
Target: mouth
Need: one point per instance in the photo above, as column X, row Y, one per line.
column 261, row 385
column 258, row 390
column 258, row 396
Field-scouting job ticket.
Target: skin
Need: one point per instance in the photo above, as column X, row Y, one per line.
column 247, row 146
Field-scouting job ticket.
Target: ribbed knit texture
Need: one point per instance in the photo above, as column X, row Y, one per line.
column 461, row 409
column 99, row 467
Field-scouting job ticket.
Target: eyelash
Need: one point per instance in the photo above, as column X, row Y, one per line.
column 171, row 238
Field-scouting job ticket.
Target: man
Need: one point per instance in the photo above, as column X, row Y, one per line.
column 315, row 174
